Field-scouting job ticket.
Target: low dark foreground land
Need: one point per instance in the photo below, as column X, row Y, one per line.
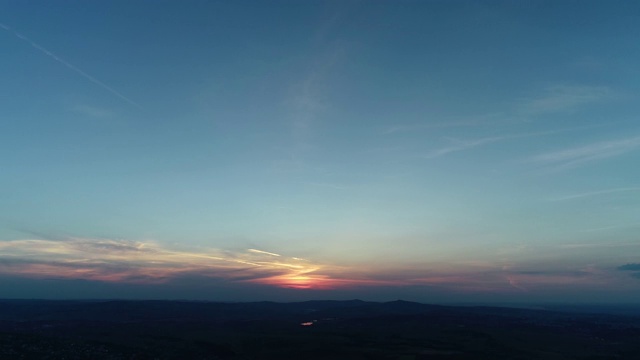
column 307, row 330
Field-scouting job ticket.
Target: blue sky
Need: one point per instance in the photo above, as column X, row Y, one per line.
column 432, row 150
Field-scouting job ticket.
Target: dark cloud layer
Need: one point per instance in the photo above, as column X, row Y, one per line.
column 629, row 267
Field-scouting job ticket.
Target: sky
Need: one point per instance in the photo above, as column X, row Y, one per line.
column 434, row 151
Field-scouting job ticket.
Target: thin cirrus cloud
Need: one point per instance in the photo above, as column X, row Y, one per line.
column 556, row 99
column 450, row 124
column 462, row 145
column 489, row 119
column 532, row 281
column 561, row 98
column 92, row 111
column 69, row 65
column 532, row 278
column 612, row 227
column 129, row 261
column 588, row 153
column 597, row 245
column 121, row 261
column 595, row 193
column 307, row 101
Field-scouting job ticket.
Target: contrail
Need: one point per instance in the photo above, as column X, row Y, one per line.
column 262, row 252
column 70, row 66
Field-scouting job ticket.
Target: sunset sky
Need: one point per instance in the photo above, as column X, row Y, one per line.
column 435, row 151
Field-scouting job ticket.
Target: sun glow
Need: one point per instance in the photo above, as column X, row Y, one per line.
column 301, row 281
column 120, row 261
column 136, row 262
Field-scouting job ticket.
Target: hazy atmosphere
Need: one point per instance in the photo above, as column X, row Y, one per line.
column 434, row 151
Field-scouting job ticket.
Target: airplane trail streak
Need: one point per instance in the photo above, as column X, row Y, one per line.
column 70, row 66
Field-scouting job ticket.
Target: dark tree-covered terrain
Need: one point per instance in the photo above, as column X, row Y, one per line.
column 307, row 330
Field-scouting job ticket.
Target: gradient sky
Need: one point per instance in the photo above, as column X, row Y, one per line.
column 439, row 151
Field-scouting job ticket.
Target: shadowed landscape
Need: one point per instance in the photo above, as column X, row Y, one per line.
column 38, row 329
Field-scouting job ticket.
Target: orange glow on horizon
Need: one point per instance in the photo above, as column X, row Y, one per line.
column 297, row 281
column 319, row 282
column 119, row 261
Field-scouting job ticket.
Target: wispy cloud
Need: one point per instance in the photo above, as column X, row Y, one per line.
column 538, row 276
column 461, row 145
column 307, row 100
column 611, row 227
column 584, row 154
column 557, row 98
column 69, row 65
column 263, row 252
column 529, row 280
column 92, row 111
column 596, row 245
column 308, row 95
column 408, row 128
column 328, row 185
column 130, row 261
column 482, row 120
column 595, row 193
column 122, row 261
column 561, row 98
